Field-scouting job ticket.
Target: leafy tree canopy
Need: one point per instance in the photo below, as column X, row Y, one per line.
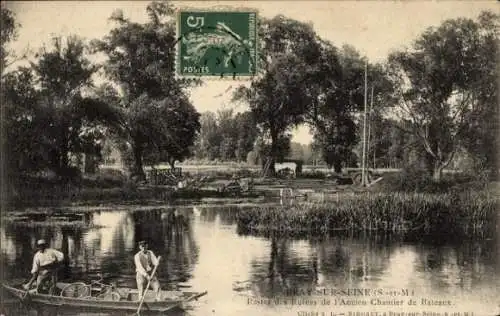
column 446, row 82
column 149, row 98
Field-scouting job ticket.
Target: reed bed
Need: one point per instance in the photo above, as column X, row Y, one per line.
column 472, row 214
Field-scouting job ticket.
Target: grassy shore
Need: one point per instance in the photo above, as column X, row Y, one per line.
column 465, row 214
column 139, row 195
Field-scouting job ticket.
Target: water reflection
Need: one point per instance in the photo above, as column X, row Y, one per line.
column 225, row 216
column 332, row 262
column 201, row 250
column 464, row 272
column 291, row 265
column 108, row 249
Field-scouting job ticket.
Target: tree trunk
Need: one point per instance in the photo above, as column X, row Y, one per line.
column 274, row 152
column 272, row 169
column 171, row 162
column 64, row 171
column 63, row 159
column 54, row 159
column 138, row 172
column 437, row 172
column 63, row 148
column 63, row 154
column 337, row 165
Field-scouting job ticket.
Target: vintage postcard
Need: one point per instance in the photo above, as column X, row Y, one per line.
column 226, row 158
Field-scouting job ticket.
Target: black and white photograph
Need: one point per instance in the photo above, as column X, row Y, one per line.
column 260, row 158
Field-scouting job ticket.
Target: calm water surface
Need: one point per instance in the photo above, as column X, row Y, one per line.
column 202, row 251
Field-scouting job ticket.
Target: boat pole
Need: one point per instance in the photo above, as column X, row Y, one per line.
column 363, row 175
column 147, row 287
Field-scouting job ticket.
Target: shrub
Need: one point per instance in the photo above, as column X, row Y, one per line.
column 105, row 178
column 313, row 174
column 416, row 180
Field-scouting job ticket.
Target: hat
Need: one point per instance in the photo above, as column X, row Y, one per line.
column 41, row 242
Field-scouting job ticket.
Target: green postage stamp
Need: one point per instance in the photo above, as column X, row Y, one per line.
column 220, row 44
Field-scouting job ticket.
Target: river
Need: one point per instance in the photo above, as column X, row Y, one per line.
column 257, row 275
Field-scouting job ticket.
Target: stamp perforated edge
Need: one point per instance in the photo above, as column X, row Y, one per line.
column 218, row 8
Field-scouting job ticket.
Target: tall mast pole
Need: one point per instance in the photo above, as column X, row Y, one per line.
column 369, row 130
column 363, row 175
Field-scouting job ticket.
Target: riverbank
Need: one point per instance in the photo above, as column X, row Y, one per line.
column 112, row 188
column 413, row 215
column 70, row 195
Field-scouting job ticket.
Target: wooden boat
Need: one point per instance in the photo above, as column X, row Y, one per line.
column 128, row 301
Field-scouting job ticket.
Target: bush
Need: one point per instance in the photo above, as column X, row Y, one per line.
column 313, row 174
column 214, row 162
column 416, row 180
column 70, row 174
column 105, row 178
column 224, row 174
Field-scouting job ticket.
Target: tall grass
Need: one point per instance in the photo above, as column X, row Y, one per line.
column 410, row 214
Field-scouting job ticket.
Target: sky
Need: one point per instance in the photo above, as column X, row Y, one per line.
column 375, row 28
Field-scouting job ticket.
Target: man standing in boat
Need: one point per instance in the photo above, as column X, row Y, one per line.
column 145, row 261
column 45, row 265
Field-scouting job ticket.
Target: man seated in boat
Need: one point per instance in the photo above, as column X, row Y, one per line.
column 45, row 265
column 145, row 261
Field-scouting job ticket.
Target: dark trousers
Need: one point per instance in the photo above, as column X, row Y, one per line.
column 46, row 281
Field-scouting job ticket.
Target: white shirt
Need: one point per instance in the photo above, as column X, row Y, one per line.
column 46, row 257
column 144, row 262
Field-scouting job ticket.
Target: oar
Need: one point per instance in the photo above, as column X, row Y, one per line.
column 147, row 287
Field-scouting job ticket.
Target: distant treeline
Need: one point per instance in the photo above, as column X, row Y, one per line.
column 226, row 136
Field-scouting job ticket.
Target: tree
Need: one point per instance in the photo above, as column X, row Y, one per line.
column 208, row 141
column 386, row 143
column 62, row 74
column 247, row 134
column 47, row 118
column 46, row 115
column 446, row 82
column 140, row 64
column 9, row 28
column 175, row 134
column 226, row 136
column 276, row 97
column 7, row 35
column 263, row 149
column 337, row 141
column 482, row 138
column 24, row 142
column 336, row 96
